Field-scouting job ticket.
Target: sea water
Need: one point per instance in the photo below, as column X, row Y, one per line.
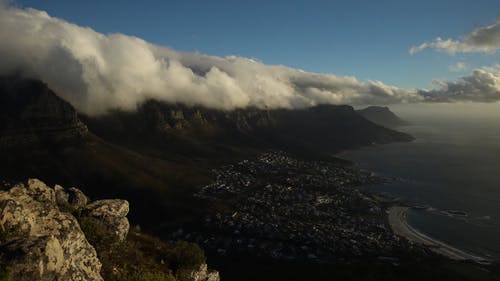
column 452, row 171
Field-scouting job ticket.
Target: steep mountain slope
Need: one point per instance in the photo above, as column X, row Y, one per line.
column 30, row 114
column 158, row 155
column 315, row 131
column 42, row 136
column 382, row 116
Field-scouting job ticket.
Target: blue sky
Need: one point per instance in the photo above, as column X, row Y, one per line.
column 367, row 39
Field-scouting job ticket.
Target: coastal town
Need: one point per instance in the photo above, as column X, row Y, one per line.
column 279, row 207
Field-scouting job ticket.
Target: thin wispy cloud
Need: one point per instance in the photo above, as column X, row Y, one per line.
column 457, row 67
column 484, row 39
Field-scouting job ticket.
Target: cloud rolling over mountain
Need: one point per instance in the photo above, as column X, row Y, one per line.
column 97, row 72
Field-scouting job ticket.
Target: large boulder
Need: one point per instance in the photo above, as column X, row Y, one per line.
column 72, row 200
column 112, row 213
column 43, row 243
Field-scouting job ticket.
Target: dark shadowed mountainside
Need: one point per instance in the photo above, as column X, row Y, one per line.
column 382, row 115
column 42, row 136
column 311, row 132
column 160, row 155
column 32, row 114
column 157, row 155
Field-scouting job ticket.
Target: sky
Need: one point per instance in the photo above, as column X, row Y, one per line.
column 104, row 55
column 366, row 39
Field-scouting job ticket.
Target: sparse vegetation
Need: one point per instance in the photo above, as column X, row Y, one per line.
column 5, row 271
column 5, row 274
column 183, row 254
column 9, row 232
column 140, row 257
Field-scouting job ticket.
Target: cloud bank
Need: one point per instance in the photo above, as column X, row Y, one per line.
column 97, row 72
column 482, row 40
column 483, row 85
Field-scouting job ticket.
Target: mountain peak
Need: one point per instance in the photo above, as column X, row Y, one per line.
column 382, row 115
column 31, row 113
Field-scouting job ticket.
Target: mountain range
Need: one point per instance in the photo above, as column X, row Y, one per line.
column 158, row 154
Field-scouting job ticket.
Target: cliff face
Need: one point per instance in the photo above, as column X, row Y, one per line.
column 31, row 113
column 320, row 129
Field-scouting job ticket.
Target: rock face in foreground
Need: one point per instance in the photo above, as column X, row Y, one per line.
column 42, row 242
column 41, row 239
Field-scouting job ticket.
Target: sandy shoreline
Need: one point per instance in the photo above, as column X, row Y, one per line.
column 400, row 226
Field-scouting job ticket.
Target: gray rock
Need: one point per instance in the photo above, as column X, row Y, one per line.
column 77, row 199
column 62, row 198
column 213, row 275
column 108, row 207
column 73, row 199
column 40, row 192
column 112, row 213
column 198, row 274
column 48, row 244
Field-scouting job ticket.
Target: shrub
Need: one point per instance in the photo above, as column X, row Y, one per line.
column 5, row 271
column 10, row 232
column 5, row 274
column 97, row 234
column 140, row 257
column 122, row 260
column 183, row 254
column 140, row 274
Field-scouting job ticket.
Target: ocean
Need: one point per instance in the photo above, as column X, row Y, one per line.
column 452, row 171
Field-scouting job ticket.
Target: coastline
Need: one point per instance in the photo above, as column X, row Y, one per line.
column 399, row 225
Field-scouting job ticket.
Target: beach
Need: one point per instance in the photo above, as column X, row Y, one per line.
column 400, row 226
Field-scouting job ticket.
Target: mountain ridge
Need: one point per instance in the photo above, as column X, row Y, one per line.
column 382, row 115
column 32, row 113
column 159, row 154
column 323, row 129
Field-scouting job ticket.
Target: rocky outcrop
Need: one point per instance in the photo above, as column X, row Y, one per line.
column 41, row 239
column 43, row 242
column 113, row 215
column 31, row 113
column 74, row 199
column 202, row 273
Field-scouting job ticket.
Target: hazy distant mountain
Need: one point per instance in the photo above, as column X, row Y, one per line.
column 382, row 116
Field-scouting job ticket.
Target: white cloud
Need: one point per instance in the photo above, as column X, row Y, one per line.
column 482, row 40
column 457, row 67
column 483, row 85
column 97, row 72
